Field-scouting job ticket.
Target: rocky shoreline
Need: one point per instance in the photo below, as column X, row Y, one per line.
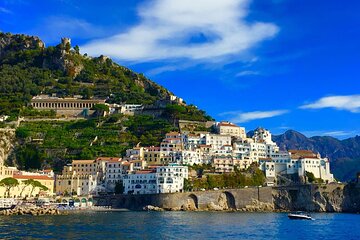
column 255, row 206
column 33, row 211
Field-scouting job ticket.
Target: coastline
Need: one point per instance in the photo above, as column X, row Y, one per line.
column 306, row 197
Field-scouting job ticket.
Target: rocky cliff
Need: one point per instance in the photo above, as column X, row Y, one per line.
column 18, row 42
column 7, row 139
column 311, row 198
column 318, row 198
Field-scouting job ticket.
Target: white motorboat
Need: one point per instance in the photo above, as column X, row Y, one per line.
column 300, row 216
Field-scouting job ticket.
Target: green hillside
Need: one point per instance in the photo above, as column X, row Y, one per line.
column 28, row 68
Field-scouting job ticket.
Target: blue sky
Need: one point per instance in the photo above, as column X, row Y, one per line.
column 280, row 64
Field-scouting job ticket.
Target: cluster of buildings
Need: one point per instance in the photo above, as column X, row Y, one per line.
column 77, row 106
column 164, row 168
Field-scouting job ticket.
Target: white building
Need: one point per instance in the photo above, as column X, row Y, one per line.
column 131, row 109
column 140, row 182
column 303, row 161
column 160, row 179
column 114, row 173
column 192, row 141
column 297, row 162
column 135, row 153
column 262, row 135
column 187, row 157
column 217, row 141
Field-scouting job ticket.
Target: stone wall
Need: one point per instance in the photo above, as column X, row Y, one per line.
column 312, row 198
column 232, row 199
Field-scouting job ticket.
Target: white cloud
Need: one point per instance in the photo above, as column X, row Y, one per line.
column 247, row 73
column 167, row 30
column 5, row 10
column 239, row 117
column 349, row 103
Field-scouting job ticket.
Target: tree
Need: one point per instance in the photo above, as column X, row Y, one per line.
column 77, row 49
column 9, row 183
column 101, row 107
column 310, row 177
column 25, row 183
column 22, row 133
column 187, row 185
column 29, row 157
column 37, row 184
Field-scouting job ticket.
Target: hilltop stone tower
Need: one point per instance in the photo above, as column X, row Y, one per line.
column 65, row 45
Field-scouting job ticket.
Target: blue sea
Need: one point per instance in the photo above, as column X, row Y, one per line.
column 180, row 225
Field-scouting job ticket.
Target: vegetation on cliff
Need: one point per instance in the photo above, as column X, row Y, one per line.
column 54, row 143
column 28, row 68
column 252, row 176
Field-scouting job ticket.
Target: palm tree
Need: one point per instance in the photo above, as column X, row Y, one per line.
column 9, row 183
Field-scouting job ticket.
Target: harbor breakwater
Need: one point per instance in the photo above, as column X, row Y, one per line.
column 33, row 211
column 314, row 198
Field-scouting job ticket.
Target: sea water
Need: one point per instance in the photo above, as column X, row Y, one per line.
column 180, row 225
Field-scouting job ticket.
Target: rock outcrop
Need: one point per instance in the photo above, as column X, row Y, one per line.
column 153, row 208
column 17, row 42
column 65, row 60
column 189, row 206
column 33, row 211
column 319, row 198
column 7, row 139
column 257, row 206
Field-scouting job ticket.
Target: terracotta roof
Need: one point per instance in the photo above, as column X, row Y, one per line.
column 83, row 161
column 150, row 148
column 227, row 124
column 295, row 154
column 144, row 172
column 39, row 177
column 172, row 133
column 108, row 159
column 152, row 167
column 136, row 161
column 301, row 157
column 302, row 151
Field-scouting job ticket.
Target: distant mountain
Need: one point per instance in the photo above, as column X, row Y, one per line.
column 344, row 155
